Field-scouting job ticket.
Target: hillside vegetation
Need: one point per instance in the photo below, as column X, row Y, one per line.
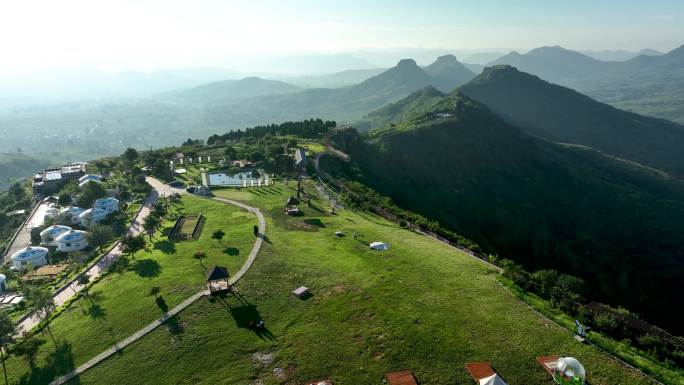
column 615, row 224
column 564, row 115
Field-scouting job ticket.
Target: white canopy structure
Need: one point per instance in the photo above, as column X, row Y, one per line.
column 571, row 368
column 72, row 241
column 36, row 256
column 71, row 214
column 492, row 380
column 48, row 237
column 92, row 216
column 379, row 246
column 109, row 204
column 89, row 177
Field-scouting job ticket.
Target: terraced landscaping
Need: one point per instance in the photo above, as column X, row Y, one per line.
column 120, row 303
column 420, row 305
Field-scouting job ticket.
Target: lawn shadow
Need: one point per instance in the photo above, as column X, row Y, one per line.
column 57, row 363
column 166, row 231
column 165, row 246
column 232, row 251
column 265, row 238
column 314, row 222
column 96, row 312
column 175, row 326
column 246, row 315
column 28, row 349
column 146, row 268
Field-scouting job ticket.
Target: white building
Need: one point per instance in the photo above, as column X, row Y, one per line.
column 35, row 256
column 71, row 213
column 72, row 240
column 92, row 216
column 89, row 177
column 109, row 204
column 48, row 237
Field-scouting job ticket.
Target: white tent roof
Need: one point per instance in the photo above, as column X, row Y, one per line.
column 72, row 236
column 571, row 367
column 379, row 246
column 54, row 231
column 492, row 380
column 29, row 252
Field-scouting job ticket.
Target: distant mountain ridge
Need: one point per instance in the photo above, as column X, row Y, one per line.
column 646, row 84
column 230, row 90
column 565, row 115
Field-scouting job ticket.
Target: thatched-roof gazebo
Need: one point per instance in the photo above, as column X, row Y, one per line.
column 217, row 279
column 292, row 206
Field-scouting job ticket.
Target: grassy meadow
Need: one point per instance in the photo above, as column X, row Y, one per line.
column 420, row 305
column 119, row 304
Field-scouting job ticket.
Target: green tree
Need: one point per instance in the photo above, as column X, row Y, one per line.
column 42, row 306
column 200, row 255
column 150, row 224
column 218, row 235
column 131, row 244
column 90, row 192
column 6, row 338
column 130, row 155
column 230, row 153
column 99, row 235
column 154, row 291
column 83, row 279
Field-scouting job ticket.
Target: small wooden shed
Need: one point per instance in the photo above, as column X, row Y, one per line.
column 217, row 279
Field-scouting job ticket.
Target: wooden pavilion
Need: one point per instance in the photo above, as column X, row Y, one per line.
column 292, row 206
column 217, row 279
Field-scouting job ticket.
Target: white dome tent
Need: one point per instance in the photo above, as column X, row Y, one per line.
column 72, row 241
column 92, row 216
column 569, row 371
column 36, row 256
column 110, row 205
column 3, row 283
column 48, row 237
column 89, row 177
column 71, row 214
column 379, row 246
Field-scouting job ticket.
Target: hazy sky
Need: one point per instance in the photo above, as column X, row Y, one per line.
column 151, row 34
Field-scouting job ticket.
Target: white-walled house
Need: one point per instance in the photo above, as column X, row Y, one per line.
column 35, row 256
column 109, row 204
column 92, row 216
column 72, row 241
column 71, row 214
column 48, row 237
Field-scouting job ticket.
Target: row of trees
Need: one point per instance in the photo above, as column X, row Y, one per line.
column 312, row 128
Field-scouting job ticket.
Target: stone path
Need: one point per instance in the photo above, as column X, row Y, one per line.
column 155, row 324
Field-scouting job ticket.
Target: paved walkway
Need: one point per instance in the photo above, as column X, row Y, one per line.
column 159, row 186
column 69, row 290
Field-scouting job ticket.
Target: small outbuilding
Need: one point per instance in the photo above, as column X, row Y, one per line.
column 72, row 241
column 217, row 279
column 35, row 256
column 92, row 216
column 301, row 292
column 48, row 237
column 292, row 206
column 108, row 204
column 379, row 246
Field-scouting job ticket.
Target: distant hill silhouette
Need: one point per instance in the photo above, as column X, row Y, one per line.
column 230, row 90
column 565, row 115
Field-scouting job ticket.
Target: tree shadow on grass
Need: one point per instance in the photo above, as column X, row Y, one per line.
column 232, row 251
column 264, row 237
column 165, row 246
column 146, row 268
column 57, row 363
column 28, row 350
column 314, row 222
column 175, row 326
column 245, row 314
column 96, row 312
column 166, row 231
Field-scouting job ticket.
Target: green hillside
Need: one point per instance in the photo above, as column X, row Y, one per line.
column 19, row 166
column 616, row 224
column 564, row 115
column 448, row 73
column 421, row 305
